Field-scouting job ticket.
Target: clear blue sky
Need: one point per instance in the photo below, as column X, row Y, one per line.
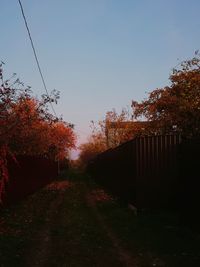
column 100, row 54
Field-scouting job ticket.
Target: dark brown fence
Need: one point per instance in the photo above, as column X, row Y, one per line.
column 26, row 175
column 143, row 171
column 189, row 181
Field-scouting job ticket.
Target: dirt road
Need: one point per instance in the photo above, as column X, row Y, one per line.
column 73, row 223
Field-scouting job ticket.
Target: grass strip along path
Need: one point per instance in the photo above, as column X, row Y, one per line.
column 74, row 223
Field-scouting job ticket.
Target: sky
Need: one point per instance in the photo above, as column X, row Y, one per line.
column 100, row 54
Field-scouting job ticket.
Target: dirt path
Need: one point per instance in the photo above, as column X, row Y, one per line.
column 123, row 254
column 74, row 223
column 45, row 242
column 53, row 234
column 41, row 249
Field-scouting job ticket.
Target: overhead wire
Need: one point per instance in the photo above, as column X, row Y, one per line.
column 35, row 54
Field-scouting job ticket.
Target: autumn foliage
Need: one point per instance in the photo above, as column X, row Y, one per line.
column 27, row 127
column 89, row 150
column 110, row 132
column 174, row 108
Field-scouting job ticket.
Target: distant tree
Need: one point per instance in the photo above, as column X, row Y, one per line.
column 174, row 108
column 89, row 150
column 118, row 128
column 114, row 130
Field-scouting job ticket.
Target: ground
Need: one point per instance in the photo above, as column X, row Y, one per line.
column 72, row 222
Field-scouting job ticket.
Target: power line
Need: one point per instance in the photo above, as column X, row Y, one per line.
column 35, row 55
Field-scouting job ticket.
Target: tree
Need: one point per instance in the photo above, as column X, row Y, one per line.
column 114, row 130
column 174, row 108
column 62, row 138
column 27, row 127
column 118, row 128
column 95, row 145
